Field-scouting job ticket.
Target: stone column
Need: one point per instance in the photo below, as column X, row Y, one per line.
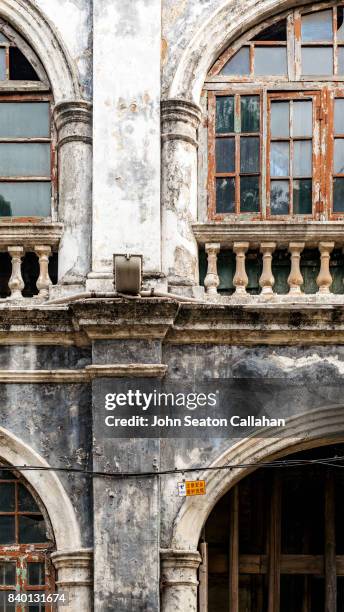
column 74, row 128
column 179, row 580
column 212, row 281
column 44, row 282
column 16, row 283
column 324, row 279
column 180, row 121
column 75, row 578
column 240, row 280
column 267, row 280
column 295, row 279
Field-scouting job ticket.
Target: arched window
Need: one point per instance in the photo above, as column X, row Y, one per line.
column 276, row 541
column 27, row 161
column 276, row 120
column 25, row 542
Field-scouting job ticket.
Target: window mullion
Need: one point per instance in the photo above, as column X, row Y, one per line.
column 330, row 544
column 274, row 564
column 234, row 551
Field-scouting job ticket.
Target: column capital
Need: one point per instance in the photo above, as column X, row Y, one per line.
column 180, row 559
column 180, row 120
column 73, row 120
column 74, row 566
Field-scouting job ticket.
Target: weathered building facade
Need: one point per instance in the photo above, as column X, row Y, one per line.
column 206, row 136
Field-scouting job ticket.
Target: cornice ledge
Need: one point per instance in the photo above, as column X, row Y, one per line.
column 228, row 232
column 127, row 370
column 43, row 376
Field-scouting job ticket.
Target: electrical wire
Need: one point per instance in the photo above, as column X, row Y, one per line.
column 283, row 463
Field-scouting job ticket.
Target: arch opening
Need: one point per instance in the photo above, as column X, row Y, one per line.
column 276, row 541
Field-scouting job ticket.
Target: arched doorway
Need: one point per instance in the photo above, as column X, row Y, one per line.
column 275, row 542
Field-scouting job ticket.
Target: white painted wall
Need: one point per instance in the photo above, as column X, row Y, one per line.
column 126, row 132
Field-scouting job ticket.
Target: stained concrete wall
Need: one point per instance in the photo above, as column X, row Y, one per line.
column 53, row 419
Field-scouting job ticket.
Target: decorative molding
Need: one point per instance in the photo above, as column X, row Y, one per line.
column 73, row 120
column 29, row 235
column 43, row 376
column 72, row 561
column 180, row 120
column 256, row 324
column 85, row 375
column 311, row 233
column 127, row 370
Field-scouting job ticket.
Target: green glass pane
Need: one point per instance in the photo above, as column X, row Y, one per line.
column 225, row 195
column 249, row 154
column 270, row 61
column 225, row 155
column 3, row 76
column 341, row 61
column 317, row 27
column 339, row 156
column 279, row 197
column 338, row 195
column 302, row 118
column 250, row 114
column 7, row 530
column 24, row 120
column 7, row 573
column 249, row 194
column 279, row 159
column 280, row 121
column 339, row 116
column 302, row 163
column 224, row 114
column 302, row 194
column 24, row 159
column 276, row 32
column 7, row 497
column 281, row 271
column 310, row 267
column 7, row 475
column 317, row 61
column 35, row 574
column 25, row 500
column 239, row 64
column 31, row 529
column 25, row 199
column 5, row 606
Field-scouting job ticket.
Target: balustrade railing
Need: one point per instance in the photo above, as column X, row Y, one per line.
column 265, row 242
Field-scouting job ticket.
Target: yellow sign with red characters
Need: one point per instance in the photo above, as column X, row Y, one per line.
column 191, row 487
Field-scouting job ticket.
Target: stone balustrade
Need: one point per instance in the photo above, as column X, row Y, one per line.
column 16, row 283
column 264, row 241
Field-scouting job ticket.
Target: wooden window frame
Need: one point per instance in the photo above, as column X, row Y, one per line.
column 316, row 165
column 212, row 136
column 325, row 89
column 22, row 554
column 51, row 139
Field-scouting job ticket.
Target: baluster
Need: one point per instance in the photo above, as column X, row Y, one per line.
column 16, row 283
column 295, row 279
column 324, row 280
column 212, row 281
column 240, row 280
column 267, row 280
column 43, row 253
